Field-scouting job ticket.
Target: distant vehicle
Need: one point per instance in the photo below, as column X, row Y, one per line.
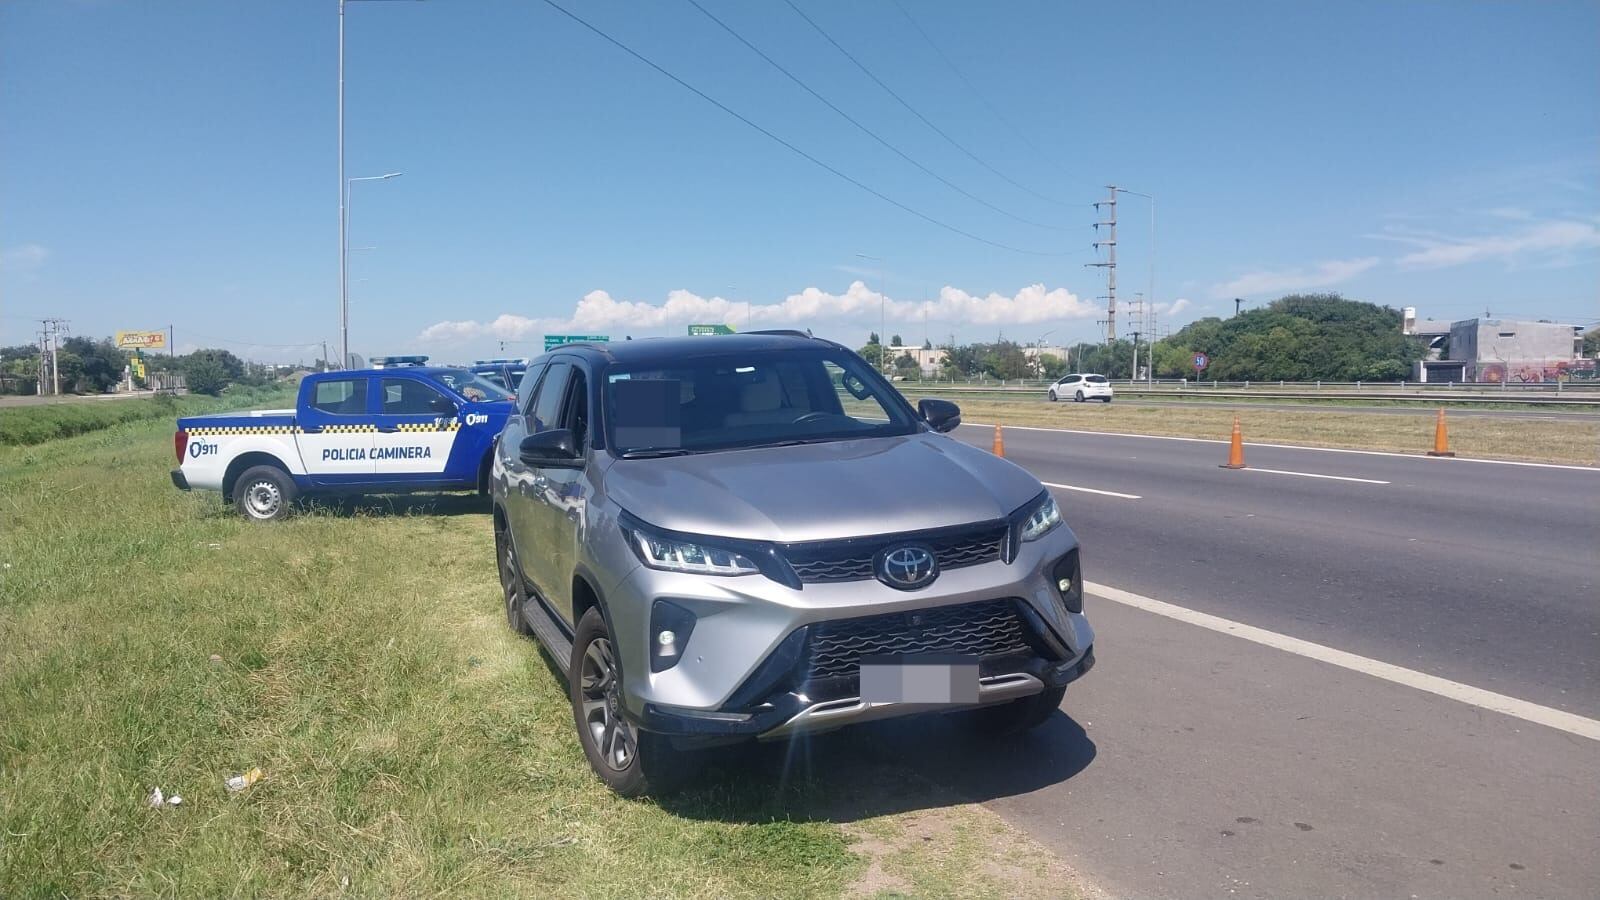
column 1082, row 387
column 398, row 427
column 505, row 372
column 759, row 537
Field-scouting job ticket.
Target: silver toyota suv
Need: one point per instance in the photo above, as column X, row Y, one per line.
column 757, row 536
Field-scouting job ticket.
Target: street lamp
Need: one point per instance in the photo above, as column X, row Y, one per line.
column 883, row 313
column 344, row 249
column 344, row 196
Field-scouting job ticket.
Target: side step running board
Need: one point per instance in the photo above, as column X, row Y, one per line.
column 549, row 632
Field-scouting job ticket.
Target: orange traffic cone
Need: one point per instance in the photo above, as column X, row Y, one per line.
column 999, row 442
column 1441, row 437
column 1236, row 448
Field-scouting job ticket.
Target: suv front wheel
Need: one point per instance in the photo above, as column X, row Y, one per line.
column 631, row 762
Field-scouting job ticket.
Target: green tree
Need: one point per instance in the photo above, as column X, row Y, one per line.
column 895, row 341
column 205, row 374
column 96, row 366
column 1591, row 342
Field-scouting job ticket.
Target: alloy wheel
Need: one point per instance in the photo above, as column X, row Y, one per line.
column 613, row 737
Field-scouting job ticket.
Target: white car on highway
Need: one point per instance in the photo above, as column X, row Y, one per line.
column 1082, row 387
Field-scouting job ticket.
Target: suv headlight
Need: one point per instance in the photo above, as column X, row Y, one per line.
column 1041, row 520
column 673, row 554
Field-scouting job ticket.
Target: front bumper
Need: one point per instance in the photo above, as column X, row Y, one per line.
column 747, row 665
column 179, row 480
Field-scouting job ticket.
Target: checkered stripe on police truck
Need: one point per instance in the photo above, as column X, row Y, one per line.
column 244, row 429
column 347, row 429
column 430, row 426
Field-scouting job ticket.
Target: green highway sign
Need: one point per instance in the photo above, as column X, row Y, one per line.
column 552, row 341
column 709, row 329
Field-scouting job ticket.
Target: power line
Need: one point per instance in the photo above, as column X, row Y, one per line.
column 913, row 110
column 949, row 63
column 791, row 147
column 864, row 129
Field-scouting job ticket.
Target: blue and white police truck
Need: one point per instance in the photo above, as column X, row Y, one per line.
column 398, row 427
column 505, row 372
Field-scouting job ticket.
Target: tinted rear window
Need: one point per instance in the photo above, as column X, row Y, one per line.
column 1095, row 379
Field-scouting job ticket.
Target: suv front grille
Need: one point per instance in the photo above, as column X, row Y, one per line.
column 984, row 629
column 823, row 562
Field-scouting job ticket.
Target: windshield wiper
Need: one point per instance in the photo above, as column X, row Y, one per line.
column 654, row 452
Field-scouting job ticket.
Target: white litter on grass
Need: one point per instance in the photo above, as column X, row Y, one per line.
column 239, row 782
column 174, row 800
column 156, row 798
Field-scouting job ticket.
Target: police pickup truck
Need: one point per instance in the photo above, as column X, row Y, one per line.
column 400, row 426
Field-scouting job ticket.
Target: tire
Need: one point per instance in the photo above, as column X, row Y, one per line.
column 1106, row 399
column 631, row 762
column 1053, row 397
column 1017, row 716
column 1078, row 398
column 264, row 494
column 512, row 589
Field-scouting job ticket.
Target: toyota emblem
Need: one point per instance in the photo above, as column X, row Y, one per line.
column 907, row 567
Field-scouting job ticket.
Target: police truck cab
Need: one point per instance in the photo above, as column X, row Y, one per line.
column 398, row 427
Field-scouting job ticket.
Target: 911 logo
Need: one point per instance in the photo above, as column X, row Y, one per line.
column 199, row 449
column 476, row 418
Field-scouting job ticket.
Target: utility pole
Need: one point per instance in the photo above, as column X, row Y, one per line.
column 50, row 345
column 1237, row 302
column 1110, row 265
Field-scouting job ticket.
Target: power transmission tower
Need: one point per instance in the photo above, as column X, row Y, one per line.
column 1110, row 265
column 50, row 344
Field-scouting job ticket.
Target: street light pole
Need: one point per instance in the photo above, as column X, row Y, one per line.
column 344, row 231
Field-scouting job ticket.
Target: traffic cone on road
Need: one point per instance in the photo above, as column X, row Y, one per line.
column 999, row 442
column 1236, row 448
column 1441, row 437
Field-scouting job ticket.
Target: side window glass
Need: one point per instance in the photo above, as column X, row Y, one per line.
column 408, row 397
column 547, row 406
column 577, row 415
column 525, row 390
column 340, row 397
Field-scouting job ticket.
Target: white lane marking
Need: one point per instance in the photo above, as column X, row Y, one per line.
column 1073, row 487
column 1315, row 475
column 1416, row 456
column 1571, row 723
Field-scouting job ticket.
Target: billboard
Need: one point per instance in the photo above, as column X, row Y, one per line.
column 552, row 341
column 141, row 340
column 709, row 329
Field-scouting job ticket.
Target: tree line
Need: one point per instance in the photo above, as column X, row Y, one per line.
column 91, row 366
column 1300, row 337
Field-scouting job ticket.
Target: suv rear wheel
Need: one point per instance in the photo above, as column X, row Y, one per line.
column 631, row 762
column 1016, row 716
column 511, row 581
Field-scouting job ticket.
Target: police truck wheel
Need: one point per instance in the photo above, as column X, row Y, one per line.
column 264, row 494
column 1016, row 716
column 511, row 587
column 630, row 762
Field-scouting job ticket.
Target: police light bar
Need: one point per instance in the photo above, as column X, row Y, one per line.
column 393, row 362
column 521, row 361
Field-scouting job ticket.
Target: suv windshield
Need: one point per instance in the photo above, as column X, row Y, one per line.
column 472, row 386
column 723, row 402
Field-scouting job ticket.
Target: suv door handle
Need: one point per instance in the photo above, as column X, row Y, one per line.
column 310, row 429
column 388, row 429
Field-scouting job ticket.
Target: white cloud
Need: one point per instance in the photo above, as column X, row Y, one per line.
column 23, row 257
column 1535, row 242
column 599, row 312
column 1174, row 308
column 1321, row 275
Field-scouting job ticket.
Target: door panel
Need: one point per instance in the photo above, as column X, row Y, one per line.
column 417, row 426
column 335, row 438
column 535, row 528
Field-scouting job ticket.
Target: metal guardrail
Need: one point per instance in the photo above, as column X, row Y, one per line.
column 1514, row 391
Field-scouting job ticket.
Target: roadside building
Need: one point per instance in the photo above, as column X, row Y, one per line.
column 1495, row 351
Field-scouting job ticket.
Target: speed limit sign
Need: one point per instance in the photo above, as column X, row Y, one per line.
column 1201, row 361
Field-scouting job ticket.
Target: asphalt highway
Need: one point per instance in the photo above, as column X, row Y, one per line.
column 1194, row 762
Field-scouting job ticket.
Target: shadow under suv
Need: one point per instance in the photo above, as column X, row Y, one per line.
column 757, row 536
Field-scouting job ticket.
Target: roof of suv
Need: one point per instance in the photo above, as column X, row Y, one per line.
column 656, row 351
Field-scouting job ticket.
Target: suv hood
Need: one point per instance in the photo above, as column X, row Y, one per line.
column 822, row 491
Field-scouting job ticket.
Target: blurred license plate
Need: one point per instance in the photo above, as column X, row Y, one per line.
column 949, row 678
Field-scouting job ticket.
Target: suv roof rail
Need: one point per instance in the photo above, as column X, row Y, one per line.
column 782, row 332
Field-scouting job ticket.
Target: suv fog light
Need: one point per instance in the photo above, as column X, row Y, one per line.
column 1069, row 584
column 671, row 624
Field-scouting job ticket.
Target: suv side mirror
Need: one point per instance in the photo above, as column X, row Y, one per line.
column 942, row 415
column 553, row 449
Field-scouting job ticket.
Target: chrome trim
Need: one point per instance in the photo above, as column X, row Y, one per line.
column 831, row 714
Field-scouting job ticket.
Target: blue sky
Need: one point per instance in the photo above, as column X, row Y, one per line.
column 174, row 162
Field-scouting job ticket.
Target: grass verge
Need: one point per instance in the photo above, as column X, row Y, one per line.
column 1537, row 440
column 411, row 744
column 25, row 425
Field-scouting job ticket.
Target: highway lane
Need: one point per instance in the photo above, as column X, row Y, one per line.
column 1481, row 573
column 1419, row 410
column 1193, row 763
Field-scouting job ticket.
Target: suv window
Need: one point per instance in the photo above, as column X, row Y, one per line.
column 340, row 396
column 547, row 406
column 409, row 397
column 724, row 402
column 1095, row 379
column 576, row 418
column 530, row 384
